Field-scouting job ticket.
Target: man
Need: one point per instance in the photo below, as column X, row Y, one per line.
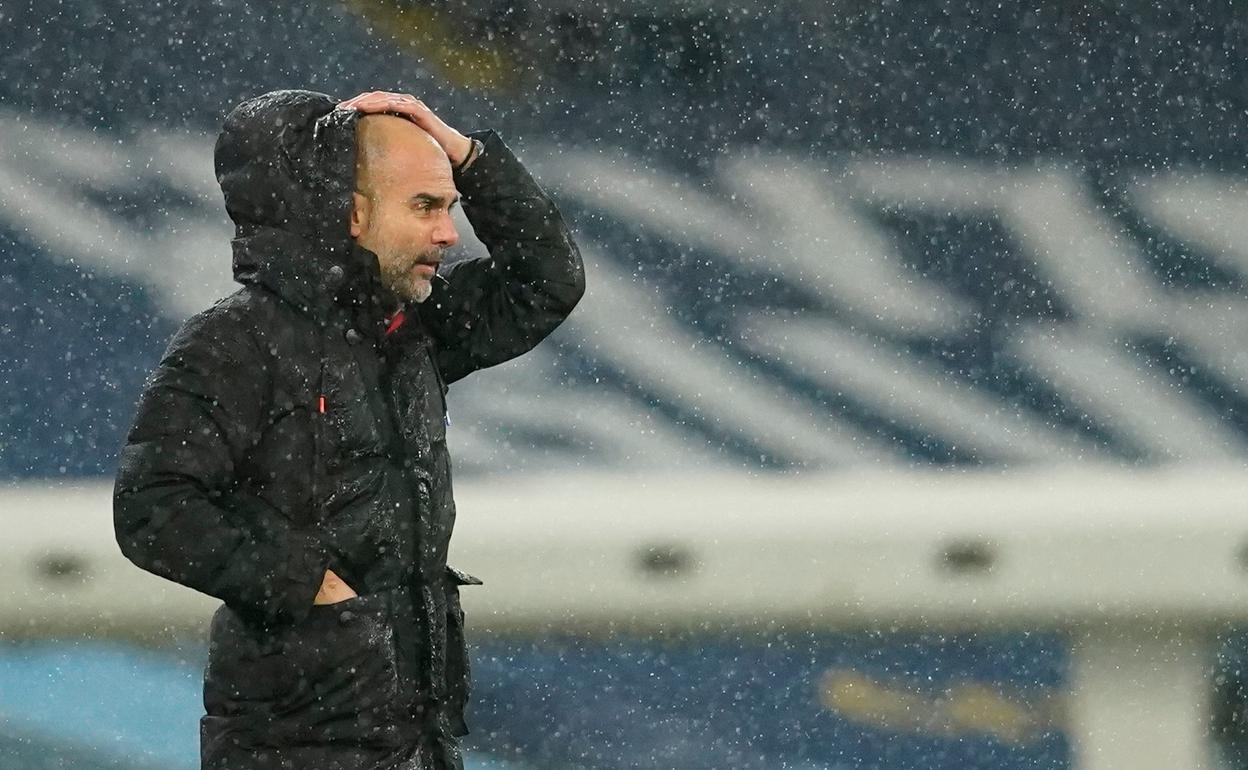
column 288, row 456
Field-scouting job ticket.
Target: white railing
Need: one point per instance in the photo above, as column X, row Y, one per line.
column 1136, row 566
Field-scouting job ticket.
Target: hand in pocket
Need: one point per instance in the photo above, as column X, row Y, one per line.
column 333, row 589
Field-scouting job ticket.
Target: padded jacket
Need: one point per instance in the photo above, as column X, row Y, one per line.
column 286, row 432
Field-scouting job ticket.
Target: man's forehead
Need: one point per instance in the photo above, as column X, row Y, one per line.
column 398, row 154
column 394, row 133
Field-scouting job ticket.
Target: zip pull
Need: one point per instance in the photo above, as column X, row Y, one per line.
column 321, row 404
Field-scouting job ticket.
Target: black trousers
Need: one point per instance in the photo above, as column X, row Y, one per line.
column 427, row 753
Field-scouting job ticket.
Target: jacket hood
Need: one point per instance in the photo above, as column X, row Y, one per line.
column 285, row 161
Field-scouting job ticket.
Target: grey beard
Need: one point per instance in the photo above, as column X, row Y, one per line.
column 394, row 286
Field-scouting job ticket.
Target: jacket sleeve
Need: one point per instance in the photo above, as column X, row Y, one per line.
column 488, row 310
column 178, row 509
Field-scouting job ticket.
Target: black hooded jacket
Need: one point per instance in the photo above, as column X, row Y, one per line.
column 285, row 433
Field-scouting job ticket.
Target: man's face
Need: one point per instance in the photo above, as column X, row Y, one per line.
column 402, row 205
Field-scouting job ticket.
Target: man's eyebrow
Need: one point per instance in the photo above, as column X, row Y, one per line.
column 436, row 200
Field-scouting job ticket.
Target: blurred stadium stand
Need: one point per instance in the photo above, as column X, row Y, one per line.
column 854, row 240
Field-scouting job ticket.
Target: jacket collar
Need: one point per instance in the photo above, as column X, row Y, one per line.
column 338, row 287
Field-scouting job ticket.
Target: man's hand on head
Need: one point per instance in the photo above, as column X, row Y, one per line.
column 454, row 144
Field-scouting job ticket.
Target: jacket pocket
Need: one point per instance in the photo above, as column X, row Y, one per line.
column 328, row 677
column 340, row 664
column 244, row 673
column 458, row 667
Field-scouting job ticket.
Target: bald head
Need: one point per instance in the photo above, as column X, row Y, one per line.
column 401, row 210
column 388, row 145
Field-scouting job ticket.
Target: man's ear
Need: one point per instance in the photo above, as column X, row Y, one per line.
column 360, row 213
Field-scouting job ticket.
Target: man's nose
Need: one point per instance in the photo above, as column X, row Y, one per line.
column 445, row 233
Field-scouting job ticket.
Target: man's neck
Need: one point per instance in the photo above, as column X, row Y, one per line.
column 391, row 303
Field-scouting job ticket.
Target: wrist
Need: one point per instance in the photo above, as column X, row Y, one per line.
column 475, row 148
column 458, row 149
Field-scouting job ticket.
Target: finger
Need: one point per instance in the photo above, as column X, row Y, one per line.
column 403, row 105
column 389, row 102
column 387, row 95
column 406, row 100
column 367, row 96
column 370, row 105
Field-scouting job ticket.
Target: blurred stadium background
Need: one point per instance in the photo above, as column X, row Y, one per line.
column 903, row 426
